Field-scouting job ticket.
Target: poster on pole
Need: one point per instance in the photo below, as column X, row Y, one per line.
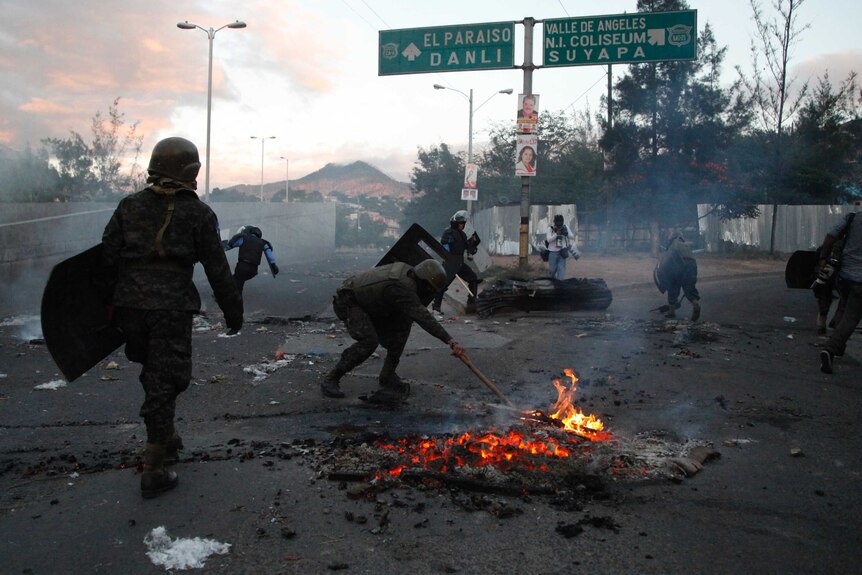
column 470, row 190
column 528, row 113
column 525, row 159
column 469, row 195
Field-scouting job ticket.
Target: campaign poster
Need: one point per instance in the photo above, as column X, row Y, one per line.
column 469, row 195
column 528, row 113
column 471, row 176
column 526, row 154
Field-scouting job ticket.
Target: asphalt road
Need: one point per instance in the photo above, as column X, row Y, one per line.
column 783, row 497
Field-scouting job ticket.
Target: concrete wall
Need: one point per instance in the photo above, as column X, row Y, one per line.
column 797, row 228
column 298, row 232
column 499, row 227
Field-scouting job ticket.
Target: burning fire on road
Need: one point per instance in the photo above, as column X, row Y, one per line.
column 527, row 447
column 540, row 453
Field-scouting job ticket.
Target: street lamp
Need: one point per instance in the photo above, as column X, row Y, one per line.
column 263, row 140
column 210, row 34
column 470, row 134
column 286, row 171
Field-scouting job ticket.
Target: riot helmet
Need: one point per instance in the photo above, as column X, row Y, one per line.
column 432, row 272
column 175, row 158
column 459, row 217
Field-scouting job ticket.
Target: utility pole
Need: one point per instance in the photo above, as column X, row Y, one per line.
column 524, row 228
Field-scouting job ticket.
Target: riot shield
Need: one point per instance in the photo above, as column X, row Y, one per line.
column 801, row 269
column 417, row 245
column 75, row 321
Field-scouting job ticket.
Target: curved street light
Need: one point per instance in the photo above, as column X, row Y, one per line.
column 210, row 32
column 470, row 134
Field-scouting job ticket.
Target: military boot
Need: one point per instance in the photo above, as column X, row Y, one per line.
column 695, row 309
column 330, row 387
column 155, row 479
column 671, row 311
column 471, row 305
column 173, row 446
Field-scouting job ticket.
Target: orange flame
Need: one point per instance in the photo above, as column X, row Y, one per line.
column 572, row 418
column 503, row 451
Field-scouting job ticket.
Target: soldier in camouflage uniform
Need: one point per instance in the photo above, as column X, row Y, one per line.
column 151, row 245
column 379, row 307
column 677, row 270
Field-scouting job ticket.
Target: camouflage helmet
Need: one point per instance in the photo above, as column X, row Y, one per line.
column 460, row 216
column 175, row 158
column 432, row 272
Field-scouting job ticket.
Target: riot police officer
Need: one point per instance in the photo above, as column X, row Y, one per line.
column 456, row 242
column 252, row 247
column 151, row 245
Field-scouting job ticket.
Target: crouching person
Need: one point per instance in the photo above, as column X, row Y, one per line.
column 379, row 307
column 151, row 245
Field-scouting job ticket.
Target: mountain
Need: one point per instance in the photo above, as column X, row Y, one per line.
column 356, row 179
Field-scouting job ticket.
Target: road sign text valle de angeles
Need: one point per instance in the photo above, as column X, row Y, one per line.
column 621, row 38
column 486, row 46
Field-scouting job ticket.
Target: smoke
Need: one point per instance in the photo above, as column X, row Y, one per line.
column 28, row 326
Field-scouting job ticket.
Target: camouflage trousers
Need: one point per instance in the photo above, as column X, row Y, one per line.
column 685, row 279
column 160, row 340
column 391, row 333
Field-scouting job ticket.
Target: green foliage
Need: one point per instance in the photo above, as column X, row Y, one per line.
column 355, row 228
column 673, row 128
column 94, row 171
column 27, row 177
column 436, row 181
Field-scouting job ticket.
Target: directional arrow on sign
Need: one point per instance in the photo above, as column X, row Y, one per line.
column 411, row 52
column 656, row 36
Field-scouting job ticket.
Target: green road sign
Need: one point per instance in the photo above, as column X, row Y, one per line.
column 621, row 38
column 447, row 49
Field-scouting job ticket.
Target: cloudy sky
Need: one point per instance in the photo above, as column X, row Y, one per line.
column 306, row 73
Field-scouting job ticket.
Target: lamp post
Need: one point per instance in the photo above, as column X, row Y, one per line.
column 286, row 185
column 263, row 140
column 470, row 127
column 210, row 32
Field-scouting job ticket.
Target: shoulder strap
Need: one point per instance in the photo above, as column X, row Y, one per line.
column 846, row 231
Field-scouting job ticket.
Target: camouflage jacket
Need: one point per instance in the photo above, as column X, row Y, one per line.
column 152, row 243
column 390, row 291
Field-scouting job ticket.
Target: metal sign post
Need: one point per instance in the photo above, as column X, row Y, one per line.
column 613, row 39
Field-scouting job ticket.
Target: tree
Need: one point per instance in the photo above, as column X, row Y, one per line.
column 94, row 171
column 770, row 89
column 27, row 177
column 569, row 163
column 671, row 128
column 824, row 144
column 436, row 187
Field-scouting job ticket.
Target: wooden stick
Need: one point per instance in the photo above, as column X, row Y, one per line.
column 466, row 287
column 490, row 385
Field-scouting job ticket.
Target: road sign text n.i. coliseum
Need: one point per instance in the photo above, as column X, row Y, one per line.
column 447, row 49
column 620, row 38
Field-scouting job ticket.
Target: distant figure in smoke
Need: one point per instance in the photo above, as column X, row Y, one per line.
column 559, row 240
column 251, row 246
column 677, row 269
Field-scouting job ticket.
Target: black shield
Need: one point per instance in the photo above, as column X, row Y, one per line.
column 417, row 245
column 801, row 269
column 75, row 321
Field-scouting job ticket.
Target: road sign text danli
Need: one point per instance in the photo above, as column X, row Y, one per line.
column 447, row 48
